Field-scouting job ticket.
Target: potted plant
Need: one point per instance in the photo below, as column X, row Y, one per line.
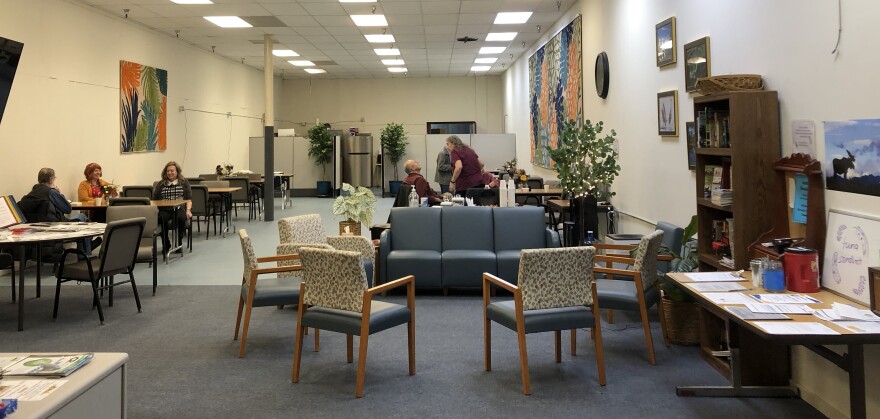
column 679, row 310
column 394, row 143
column 586, row 163
column 321, row 151
column 356, row 204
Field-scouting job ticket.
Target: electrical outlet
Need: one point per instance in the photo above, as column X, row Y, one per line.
column 180, row 108
column 363, row 119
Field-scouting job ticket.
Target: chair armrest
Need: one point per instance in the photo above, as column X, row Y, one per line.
column 494, row 280
column 614, row 259
column 276, row 269
column 407, row 280
column 551, row 238
column 665, row 257
column 280, row 257
column 613, row 271
column 292, row 247
column 358, row 244
column 74, row 251
column 384, row 250
column 609, row 246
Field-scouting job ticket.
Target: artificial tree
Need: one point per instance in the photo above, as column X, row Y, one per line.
column 585, row 161
column 320, row 148
column 394, row 144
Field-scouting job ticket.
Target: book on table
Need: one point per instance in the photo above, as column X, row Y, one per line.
column 55, row 365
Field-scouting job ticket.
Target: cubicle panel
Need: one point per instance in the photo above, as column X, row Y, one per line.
column 495, row 149
column 307, row 173
column 283, row 155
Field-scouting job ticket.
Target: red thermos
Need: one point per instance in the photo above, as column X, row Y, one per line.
column 801, row 266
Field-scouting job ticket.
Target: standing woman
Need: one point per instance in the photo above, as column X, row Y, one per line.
column 173, row 186
column 444, row 170
column 465, row 166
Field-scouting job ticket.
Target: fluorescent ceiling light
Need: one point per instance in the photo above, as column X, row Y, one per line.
column 387, row 39
column 488, row 60
column 284, row 53
column 302, row 63
column 314, row 71
column 392, row 62
column 515, row 17
column 357, row 1
column 491, row 50
column 387, row 51
column 192, row 1
column 397, row 69
column 501, row 36
column 480, row 68
column 228, row 21
column 369, row 20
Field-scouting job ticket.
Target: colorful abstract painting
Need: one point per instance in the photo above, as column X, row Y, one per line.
column 852, row 156
column 143, row 106
column 555, row 90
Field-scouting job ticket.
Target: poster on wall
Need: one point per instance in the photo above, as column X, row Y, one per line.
column 852, row 156
column 852, row 244
column 143, row 100
column 555, row 90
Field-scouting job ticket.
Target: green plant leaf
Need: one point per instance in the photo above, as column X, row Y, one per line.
column 393, row 139
column 320, row 146
column 355, row 204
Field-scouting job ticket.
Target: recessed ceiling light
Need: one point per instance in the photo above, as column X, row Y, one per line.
column 387, row 51
column 392, row 62
column 284, row 53
column 357, row 1
column 515, row 17
column 387, row 39
column 314, row 71
column 491, row 50
column 480, row 68
column 302, row 63
column 228, row 21
column 369, row 20
column 192, row 1
column 397, row 69
column 489, row 60
column 501, row 36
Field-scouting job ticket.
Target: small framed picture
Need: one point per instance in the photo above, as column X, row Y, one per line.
column 697, row 62
column 667, row 113
column 665, row 31
column 691, row 130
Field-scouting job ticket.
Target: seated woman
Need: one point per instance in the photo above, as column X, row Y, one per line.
column 93, row 187
column 173, row 186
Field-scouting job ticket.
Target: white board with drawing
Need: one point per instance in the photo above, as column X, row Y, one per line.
column 852, row 244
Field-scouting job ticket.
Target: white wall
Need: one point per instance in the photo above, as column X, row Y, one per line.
column 63, row 111
column 789, row 42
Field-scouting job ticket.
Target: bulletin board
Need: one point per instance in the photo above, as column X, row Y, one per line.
column 852, row 244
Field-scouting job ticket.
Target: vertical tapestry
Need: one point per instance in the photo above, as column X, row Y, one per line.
column 143, row 99
column 555, row 90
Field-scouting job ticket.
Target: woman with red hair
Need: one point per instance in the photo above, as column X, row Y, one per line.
column 93, row 186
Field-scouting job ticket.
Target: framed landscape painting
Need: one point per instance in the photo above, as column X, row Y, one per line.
column 696, row 62
column 667, row 113
column 665, row 32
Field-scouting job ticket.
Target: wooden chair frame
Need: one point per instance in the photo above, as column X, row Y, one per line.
column 409, row 282
column 488, row 281
column 255, row 273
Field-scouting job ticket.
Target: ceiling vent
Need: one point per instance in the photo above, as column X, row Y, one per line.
column 467, row 39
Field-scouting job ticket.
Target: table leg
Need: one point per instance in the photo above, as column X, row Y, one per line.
column 173, row 236
column 856, row 358
column 21, row 267
column 736, row 389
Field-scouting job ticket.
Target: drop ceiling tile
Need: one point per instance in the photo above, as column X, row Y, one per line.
column 331, row 21
column 471, row 6
column 324, row 8
column 444, row 6
column 281, row 9
column 296, row 21
column 309, row 31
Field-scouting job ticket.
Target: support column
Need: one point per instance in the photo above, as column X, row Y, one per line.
column 268, row 131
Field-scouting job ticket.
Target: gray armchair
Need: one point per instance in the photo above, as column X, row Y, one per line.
column 147, row 250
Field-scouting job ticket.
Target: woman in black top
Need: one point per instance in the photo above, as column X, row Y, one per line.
column 173, row 186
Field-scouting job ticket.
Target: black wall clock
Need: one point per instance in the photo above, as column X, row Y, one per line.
column 602, row 75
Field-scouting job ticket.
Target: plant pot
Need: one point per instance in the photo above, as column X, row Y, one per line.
column 393, row 186
column 324, row 188
column 354, row 227
column 682, row 321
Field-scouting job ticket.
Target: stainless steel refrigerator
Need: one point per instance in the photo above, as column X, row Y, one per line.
column 357, row 159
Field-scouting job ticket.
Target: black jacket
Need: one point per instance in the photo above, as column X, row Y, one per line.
column 37, row 206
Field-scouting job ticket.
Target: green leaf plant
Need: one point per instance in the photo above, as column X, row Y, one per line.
column 355, row 204
column 320, row 147
column 585, row 159
column 394, row 143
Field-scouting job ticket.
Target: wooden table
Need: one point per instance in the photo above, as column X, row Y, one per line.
column 172, row 204
column 740, row 330
column 36, row 237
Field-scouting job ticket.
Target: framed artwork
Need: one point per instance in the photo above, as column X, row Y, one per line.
column 143, row 99
column 691, row 129
column 555, row 90
column 697, row 62
column 665, row 31
column 667, row 113
column 849, row 252
column 852, row 163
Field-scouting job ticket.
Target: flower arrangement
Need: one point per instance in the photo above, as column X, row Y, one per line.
column 522, row 176
column 224, row 169
column 110, row 189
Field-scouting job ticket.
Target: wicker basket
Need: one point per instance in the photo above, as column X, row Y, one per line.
column 353, row 226
column 729, row 83
column 682, row 321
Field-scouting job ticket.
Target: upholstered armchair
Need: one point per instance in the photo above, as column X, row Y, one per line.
column 556, row 292
column 309, row 230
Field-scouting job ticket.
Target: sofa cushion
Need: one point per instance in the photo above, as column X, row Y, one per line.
column 467, row 228
column 519, row 228
column 415, row 228
column 508, row 265
column 424, row 264
column 464, row 268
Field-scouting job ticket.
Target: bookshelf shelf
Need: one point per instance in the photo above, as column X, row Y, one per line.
column 705, row 202
column 713, row 151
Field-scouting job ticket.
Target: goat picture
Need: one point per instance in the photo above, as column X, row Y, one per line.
column 844, row 141
column 842, row 165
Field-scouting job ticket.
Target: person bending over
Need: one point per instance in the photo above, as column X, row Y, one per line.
column 414, row 178
column 465, row 166
column 173, row 186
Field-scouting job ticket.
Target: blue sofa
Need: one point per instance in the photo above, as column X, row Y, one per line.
column 451, row 247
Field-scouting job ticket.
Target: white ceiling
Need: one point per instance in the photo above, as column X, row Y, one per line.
column 321, row 30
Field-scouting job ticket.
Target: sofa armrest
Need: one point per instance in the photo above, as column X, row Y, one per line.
column 384, row 249
column 551, row 238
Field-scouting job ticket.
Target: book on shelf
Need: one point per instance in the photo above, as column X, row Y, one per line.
column 55, row 365
column 723, row 197
column 709, row 179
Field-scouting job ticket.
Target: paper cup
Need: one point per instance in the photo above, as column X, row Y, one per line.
column 99, row 201
column 546, row 188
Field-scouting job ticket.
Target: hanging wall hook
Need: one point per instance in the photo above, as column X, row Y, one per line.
column 213, row 47
column 125, row 11
column 177, row 33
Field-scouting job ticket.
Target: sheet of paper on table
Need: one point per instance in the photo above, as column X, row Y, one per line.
column 796, row 328
column 714, row 276
column 716, row 286
column 28, row 390
column 779, row 308
column 860, row 327
column 746, row 314
column 723, row 298
column 786, row 299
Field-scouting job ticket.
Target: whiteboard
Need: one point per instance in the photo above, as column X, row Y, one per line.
column 852, row 244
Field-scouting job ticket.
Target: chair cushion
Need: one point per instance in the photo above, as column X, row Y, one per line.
column 79, row 270
column 464, row 268
column 543, row 320
column 621, row 295
column 274, row 291
column 519, row 228
column 145, row 252
column 383, row 315
column 424, row 264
